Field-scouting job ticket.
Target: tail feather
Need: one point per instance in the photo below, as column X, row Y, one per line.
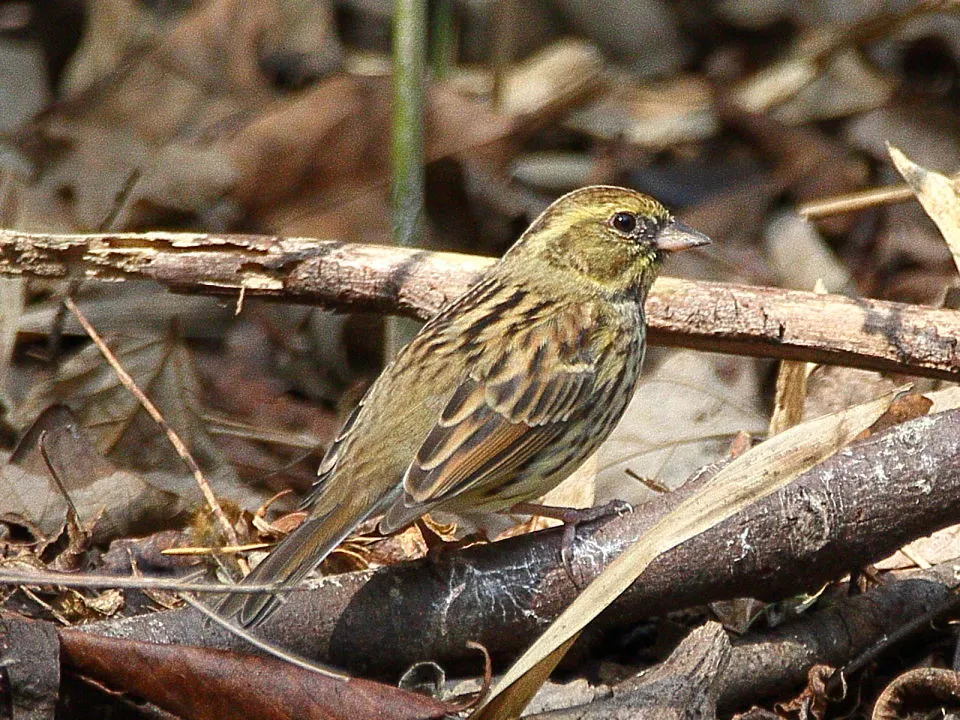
column 295, row 557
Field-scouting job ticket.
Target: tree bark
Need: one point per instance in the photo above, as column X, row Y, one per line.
column 842, row 514
column 721, row 317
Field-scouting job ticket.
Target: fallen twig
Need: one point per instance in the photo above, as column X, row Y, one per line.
column 722, row 317
column 844, row 513
column 181, row 448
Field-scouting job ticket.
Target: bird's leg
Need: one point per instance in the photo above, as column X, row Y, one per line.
column 571, row 517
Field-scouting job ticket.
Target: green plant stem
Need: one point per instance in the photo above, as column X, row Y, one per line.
column 409, row 64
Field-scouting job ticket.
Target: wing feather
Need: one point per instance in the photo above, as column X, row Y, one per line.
column 508, row 408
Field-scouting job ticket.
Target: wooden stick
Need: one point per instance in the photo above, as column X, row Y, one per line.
column 721, row 317
column 855, row 201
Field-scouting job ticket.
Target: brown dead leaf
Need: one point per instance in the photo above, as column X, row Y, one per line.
column 206, row 684
column 317, row 163
column 552, row 78
column 142, row 82
column 653, row 115
column 109, row 502
column 162, row 367
column 906, row 407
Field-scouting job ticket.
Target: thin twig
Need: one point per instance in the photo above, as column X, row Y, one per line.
column 80, row 580
column 717, row 317
column 178, row 444
column 853, row 202
column 223, row 550
column 266, row 647
column 41, row 443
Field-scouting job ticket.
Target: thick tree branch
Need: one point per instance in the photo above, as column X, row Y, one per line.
column 842, row 514
column 765, row 322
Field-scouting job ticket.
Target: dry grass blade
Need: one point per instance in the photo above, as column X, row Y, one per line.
column 937, row 194
column 83, row 580
column 791, row 393
column 755, row 474
column 790, row 396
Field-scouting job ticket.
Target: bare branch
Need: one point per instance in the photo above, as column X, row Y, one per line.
column 722, row 317
column 844, row 513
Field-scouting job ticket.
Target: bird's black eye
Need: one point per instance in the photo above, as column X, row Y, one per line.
column 625, row 222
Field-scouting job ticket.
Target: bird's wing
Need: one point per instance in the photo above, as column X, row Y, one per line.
column 514, row 402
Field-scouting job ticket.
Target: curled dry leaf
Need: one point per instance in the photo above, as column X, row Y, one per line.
column 918, row 692
column 813, row 700
column 79, row 608
column 939, row 196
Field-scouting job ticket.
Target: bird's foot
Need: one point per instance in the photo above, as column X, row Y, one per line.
column 571, row 517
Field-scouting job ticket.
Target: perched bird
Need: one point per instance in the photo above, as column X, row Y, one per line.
column 504, row 393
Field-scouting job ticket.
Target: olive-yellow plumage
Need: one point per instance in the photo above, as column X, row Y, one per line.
column 501, row 395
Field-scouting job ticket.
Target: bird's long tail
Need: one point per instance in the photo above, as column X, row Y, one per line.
column 298, row 554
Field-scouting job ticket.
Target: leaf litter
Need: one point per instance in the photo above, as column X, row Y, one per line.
column 221, row 117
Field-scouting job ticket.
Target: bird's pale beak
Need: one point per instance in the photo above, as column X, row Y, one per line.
column 677, row 236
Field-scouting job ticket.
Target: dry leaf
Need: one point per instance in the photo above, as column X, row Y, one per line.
column 110, row 502
column 847, row 85
column 755, row 474
column 939, row 196
column 652, row 115
column 801, row 256
column 162, row 368
column 683, row 417
column 946, row 399
column 567, row 69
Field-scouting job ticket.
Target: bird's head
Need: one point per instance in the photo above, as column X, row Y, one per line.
column 613, row 237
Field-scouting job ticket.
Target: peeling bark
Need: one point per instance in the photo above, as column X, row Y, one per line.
column 722, row 317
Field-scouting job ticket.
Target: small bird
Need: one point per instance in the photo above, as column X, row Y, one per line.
column 504, row 393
